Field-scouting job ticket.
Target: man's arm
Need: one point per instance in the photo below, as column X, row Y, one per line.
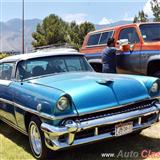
column 117, row 49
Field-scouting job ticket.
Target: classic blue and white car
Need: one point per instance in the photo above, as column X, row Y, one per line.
column 59, row 101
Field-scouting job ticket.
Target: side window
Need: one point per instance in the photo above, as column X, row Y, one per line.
column 105, row 36
column 1, row 71
column 93, row 39
column 6, row 71
column 31, row 68
column 130, row 34
column 99, row 38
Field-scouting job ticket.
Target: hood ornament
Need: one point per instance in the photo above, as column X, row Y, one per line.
column 105, row 81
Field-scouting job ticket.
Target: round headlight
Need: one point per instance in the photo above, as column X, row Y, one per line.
column 62, row 103
column 154, row 88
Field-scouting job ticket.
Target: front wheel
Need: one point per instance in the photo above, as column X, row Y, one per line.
column 36, row 139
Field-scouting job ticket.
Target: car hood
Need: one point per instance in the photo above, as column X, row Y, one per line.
column 92, row 91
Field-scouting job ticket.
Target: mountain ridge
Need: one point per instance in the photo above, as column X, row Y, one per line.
column 11, row 33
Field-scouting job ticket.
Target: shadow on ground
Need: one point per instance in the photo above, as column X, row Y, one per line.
column 128, row 143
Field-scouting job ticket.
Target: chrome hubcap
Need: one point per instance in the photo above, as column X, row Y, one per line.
column 35, row 139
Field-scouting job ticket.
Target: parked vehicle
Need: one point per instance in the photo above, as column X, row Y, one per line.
column 59, row 101
column 141, row 56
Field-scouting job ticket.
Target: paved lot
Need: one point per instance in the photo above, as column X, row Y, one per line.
column 14, row 145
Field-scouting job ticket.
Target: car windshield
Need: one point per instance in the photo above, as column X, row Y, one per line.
column 150, row 32
column 51, row 65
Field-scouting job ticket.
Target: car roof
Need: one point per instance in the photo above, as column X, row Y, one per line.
column 119, row 26
column 41, row 53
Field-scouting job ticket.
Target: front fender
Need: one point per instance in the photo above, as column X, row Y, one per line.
column 38, row 100
column 146, row 81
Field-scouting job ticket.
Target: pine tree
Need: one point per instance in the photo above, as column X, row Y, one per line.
column 84, row 28
column 142, row 16
column 135, row 20
column 72, row 36
column 155, row 6
column 53, row 30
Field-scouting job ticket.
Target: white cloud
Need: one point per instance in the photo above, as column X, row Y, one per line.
column 147, row 8
column 78, row 17
column 127, row 17
column 104, row 20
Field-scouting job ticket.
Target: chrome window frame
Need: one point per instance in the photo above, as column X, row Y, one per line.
column 136, row 31
column 97, row 45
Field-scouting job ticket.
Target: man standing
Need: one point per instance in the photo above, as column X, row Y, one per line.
column 109, row 57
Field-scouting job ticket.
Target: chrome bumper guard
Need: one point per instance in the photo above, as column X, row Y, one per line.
column 70, row 129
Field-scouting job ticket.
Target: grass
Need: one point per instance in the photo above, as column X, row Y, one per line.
column 15, row 146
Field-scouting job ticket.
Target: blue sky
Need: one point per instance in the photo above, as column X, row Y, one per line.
column 98, row 12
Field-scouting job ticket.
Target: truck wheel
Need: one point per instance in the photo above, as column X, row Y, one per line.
column 157, row 74
column 36, row 139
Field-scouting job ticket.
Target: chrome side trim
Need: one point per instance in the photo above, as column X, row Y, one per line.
column 14, row 126
column 157, row 97
column 52, row 117
column 40, row 114
column 158, row 105
column 6, row 101
column 5, row 82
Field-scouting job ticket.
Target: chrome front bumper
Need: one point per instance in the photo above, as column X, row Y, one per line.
column 71, row 128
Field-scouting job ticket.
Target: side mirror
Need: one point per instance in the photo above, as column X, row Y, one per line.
column 131, row 47
column 122, row 42
column 125, row 45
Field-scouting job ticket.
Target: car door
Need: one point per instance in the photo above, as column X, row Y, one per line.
column 129, row 62
column 6, row 93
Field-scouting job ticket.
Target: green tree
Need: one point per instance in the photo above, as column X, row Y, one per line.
column 51, row 31
column 135, row 20
column 142, row 17
column 72, row 36
column 85, row 28
column 76, row 33
column 155, row 6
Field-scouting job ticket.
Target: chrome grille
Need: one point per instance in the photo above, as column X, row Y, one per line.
column 119, row 110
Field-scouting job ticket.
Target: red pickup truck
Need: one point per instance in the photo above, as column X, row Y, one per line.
column 141, row 55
